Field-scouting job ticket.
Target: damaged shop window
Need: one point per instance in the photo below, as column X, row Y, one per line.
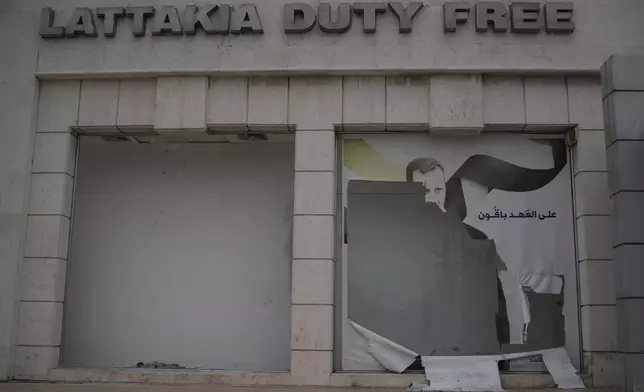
column 431, row 284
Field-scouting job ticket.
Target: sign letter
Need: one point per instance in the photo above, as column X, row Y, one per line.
column 491, row 12
column 405, row 14
column 81, row 23
column 245, row 19
column 47, row 29
column 139, row 14
column 298, row 18
column 455, row 13
column 167, row 21
column 342, row 22
column 369, row 12
column 526, row 17
column 219, row 25
column 109, row 15
column 559, row 18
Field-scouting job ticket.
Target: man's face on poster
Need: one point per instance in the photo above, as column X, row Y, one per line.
column 434, row 183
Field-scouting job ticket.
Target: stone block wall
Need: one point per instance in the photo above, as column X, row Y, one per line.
column 623, row 101
column 197, row 108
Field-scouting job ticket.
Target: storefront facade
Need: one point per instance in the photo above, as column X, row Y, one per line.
column 293, row 193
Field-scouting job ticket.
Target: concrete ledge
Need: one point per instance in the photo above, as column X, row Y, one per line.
column 233, row 378
column 375, row 380
column 168, row 376
column 299, row 71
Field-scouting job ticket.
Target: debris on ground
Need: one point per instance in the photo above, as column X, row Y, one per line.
column 158, row 365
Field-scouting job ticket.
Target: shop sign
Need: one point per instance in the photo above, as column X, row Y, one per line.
column 301, row 18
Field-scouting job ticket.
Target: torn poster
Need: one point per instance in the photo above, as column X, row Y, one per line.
column 355, row 351
column 481, row 373
column 558, row 364
column 563, row 373
column 368, row 346
column 463, row 177
column 496, row 173
column 532, row 250
column 475, row 373
column 544, row 284
column 518, row 308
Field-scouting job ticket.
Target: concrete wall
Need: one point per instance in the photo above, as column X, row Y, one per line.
column 17, row 99
column 604, row 27
column 623, row 98
column 592, row 206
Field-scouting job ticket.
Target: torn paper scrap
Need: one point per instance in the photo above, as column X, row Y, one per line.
column 561, row 369
column 413, row 387
column 471, row 373
column 356, row 355
column 481, row 373
column 517, row 306
column 558, row 364
column 390, row 355
column 543, row 284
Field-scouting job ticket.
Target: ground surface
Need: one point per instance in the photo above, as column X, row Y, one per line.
column 59, row 387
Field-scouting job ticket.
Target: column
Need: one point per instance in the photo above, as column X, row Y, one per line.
column 594, row 250
column 623, row 101
column 20, row 43
column 42, row 273
column 314, row 108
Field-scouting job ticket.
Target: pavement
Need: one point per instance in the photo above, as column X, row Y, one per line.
column 115, row 387
column 122, row 387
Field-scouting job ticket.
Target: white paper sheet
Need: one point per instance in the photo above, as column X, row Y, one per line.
column 388, row 354
column 477, row 373
column 517, row 306
column 541, row 283
column 558, row 364
column 356, row 353
column 481, row 373
column 413, row 387
column 561, row 369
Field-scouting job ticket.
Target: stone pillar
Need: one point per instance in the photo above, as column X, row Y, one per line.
column 594, row 250
column 42, row 273
column 19, row 43
column 314, row 112
column 623, row 102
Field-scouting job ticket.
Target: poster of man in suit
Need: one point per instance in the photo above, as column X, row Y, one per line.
column 448, row 241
